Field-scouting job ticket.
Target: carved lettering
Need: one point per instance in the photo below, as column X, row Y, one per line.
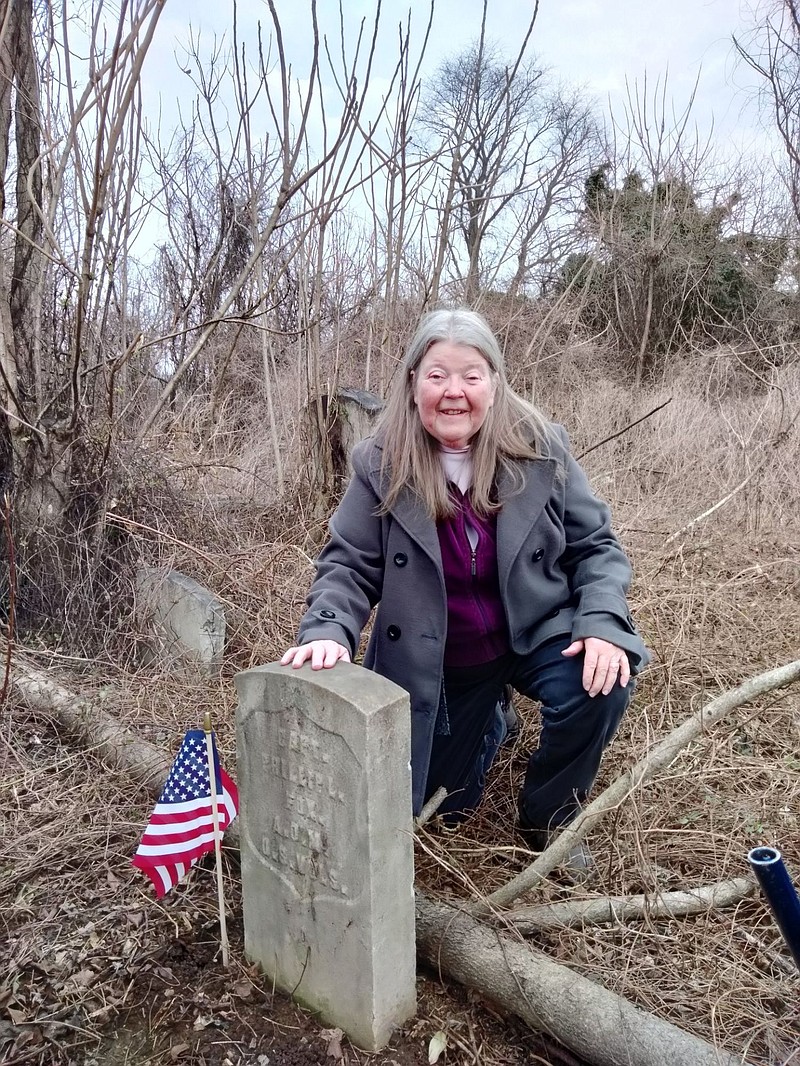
column 303, row 776
column 298, row 840
column 305, row 864
column 306, row 836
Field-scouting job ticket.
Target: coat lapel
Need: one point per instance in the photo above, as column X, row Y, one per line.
column 411, row 515
column 520, row 511
column 518, row 514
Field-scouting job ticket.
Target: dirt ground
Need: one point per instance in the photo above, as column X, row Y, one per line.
column 236, row 1018
column 97, row 972
column 94, row 970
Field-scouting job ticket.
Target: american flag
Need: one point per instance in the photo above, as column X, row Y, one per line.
column 181, row 828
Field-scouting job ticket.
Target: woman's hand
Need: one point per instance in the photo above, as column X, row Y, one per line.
column 604, row 664
column 323, row 655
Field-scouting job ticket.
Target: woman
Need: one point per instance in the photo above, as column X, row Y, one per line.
column 492, row 564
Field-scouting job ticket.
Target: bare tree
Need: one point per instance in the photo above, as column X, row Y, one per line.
column 66, row 192
column 512, row 151
column 773, row 52
column 398, row 182
column 670, row 257
column 295, row 180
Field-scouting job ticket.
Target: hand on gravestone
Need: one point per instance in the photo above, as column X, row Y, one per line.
column 323, row 655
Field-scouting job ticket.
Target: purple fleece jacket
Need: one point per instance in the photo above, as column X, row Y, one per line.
column 476, row 622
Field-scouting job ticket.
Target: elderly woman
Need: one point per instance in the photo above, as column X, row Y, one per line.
column 492, row 564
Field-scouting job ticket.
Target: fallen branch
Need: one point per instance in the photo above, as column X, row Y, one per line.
column 658, row 759
column 582, row 1015
column 100, row 731
column 609, row 909
column 624, row 429
column 431, row 807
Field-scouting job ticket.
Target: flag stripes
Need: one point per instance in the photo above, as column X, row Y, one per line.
column 181, row 828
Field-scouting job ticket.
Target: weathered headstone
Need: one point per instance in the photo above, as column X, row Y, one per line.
column 326, row 842
column 184, row 621
column 336, row 423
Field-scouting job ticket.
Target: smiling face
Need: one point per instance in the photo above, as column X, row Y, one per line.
column 453, row 389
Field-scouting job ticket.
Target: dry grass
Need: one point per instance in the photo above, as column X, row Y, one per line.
column 717, row 604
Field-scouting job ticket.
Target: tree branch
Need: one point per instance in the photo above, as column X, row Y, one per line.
column 616, row 909
column 624, row 429
column 660, row 757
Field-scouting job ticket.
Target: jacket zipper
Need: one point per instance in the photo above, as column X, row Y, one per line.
column 473, row 567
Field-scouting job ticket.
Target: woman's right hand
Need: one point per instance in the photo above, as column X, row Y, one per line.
column 323, row 655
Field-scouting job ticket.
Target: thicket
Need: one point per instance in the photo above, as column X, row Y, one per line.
column 178, row 307
column 170, row 303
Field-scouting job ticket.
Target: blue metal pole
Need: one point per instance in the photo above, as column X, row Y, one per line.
column 777, row 886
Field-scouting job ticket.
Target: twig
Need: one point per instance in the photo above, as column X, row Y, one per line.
column 431, row 807
column 129, row 523
column 720, row 503
column 12, row 591
column 611, row 909
column 766, row 460
column 624, row 429
column 768, row 957
column 658, row 759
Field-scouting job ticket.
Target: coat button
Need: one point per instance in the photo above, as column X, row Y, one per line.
column 537, row 555
column 400, row 559
column 327, row 614
column 393, row 632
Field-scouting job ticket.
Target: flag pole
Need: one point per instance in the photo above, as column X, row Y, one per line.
column 212, row 776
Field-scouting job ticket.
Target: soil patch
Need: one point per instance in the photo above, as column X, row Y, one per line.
column 99, row 973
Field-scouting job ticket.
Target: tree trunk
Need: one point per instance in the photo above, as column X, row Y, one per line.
column 15, row 431
column 37, row 463
column 588, row 1019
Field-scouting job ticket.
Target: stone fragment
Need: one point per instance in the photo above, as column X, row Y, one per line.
column 183, row 620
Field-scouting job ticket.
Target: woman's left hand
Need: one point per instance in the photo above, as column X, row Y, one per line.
column 604, row 664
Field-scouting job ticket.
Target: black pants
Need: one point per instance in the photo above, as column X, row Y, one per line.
column 575, row 730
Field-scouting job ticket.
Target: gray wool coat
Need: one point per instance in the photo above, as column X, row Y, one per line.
column 562, row 573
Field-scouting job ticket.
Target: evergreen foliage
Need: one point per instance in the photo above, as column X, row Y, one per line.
column 665, row 270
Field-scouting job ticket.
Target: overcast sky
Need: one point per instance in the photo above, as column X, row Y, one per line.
column 593, row 43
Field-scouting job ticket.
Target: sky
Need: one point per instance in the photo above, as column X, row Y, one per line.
column 596, row 44
column 607, row 48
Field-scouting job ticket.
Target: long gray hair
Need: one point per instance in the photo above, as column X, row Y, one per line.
column 513, row 429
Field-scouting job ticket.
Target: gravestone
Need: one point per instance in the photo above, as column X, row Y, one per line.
column 358, row 411
column 326, row 842
column 336, row 423
column 184, row 621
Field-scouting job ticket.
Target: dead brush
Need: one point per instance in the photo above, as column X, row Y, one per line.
column 717, row 604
